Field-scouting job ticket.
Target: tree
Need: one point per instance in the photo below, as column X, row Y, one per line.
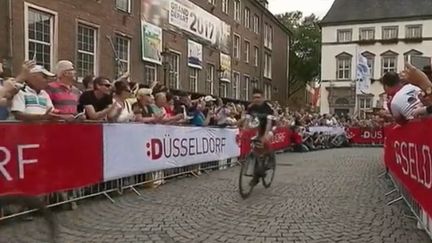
column 305, row 49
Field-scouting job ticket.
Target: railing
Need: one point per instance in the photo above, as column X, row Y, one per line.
column 117, row 157
column 408, row 159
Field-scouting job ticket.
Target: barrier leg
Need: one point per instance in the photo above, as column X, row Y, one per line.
column 135, row 190
column 194, row 174
column 108, row 196
column 394, row 201
column 390, row 192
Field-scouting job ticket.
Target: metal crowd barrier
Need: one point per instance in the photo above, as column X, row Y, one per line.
column 423, row 222
column 118, row 186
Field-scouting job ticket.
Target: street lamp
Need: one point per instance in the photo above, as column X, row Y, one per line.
column 220, row 71
column 166, row 53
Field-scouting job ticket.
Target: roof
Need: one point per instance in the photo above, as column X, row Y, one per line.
column 358, row 11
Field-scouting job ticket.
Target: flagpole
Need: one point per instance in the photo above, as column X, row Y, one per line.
column 356, row 81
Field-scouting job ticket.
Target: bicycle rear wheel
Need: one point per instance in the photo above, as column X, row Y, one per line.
column 247, row 174
column 270, row 166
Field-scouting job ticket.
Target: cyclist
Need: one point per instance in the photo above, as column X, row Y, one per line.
column 260, row 108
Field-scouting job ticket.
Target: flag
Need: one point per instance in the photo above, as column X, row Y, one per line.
column 363, row 81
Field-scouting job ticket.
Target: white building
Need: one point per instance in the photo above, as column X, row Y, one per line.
column 384, row 31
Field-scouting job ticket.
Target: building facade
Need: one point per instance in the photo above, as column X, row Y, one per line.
column 219, row 47
column 386, row 32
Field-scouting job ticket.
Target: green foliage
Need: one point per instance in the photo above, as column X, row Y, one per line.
column 305, row 50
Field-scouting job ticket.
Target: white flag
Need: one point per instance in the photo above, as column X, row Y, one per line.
column 363, row 81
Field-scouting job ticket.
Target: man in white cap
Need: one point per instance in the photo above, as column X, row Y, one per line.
column 32, row 103
column 64, row 95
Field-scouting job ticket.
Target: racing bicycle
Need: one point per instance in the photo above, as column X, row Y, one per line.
column 260, row 163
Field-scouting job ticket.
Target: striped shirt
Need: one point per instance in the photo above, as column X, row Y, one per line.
column 29, row 101
column 64, row 98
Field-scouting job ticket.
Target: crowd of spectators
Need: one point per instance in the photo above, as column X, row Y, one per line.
column 37, row 94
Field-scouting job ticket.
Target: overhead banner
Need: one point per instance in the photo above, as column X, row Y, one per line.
column 131, row 149
column 225, row 63
column 186, row 16
column 195, row 54
column 151, row 43
column 363, row 76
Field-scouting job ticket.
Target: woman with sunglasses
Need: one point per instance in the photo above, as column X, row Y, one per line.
column 122, row 111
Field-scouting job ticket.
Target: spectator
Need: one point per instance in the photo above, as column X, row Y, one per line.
column 32, row 103
column 97, row 103
column 297, row 141
column 64, row 95
column 199, row 119
column 88, row 82
column 142, row 108
column 4, row 112
column 159, row 109
column 403, row 98
column 122, row 110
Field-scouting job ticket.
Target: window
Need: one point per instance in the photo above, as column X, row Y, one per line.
column 40, row 37
column 236, row 47
column 174, row 60
column 150, row 72
column 245, row 88
column 256, row 56
column 268, row 36
column 390, row 32
column 365, row 104
column 389, row 64
column 254, row 85
column 236, row 85
column 344, row 35
column 122, row 47
column 268, row 91
column 344, row 66
column 256, row 24
column 212, row 2
column 367, row 33
column 412, row 53
column 267, row 66
column 225, row 6
column 247, row 51
column 223, row 89
column 414, row 31
column 193, row 79
column 210, row 79
column 247, row 18
column 237, row 13
column 124, row 5
column 86, row 50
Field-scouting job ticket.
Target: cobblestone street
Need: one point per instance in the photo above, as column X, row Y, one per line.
column 325, row 196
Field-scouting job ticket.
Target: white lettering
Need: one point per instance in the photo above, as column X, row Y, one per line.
column 396, row 147
column 411, row 160
column 427, row 161
column 405, row 166
column 7, row 157
column 22, row 161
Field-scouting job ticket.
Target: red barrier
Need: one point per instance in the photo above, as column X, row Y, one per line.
column 408, row 156
column 41, row 158
column 281, row 139
column 366, row 135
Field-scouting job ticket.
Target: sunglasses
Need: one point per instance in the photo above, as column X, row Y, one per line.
column 256, row 97
column 106, row 85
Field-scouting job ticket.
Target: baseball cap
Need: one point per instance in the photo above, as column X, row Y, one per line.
column 63, row 65
column 41, row 69
column 144, row 91
column 209, row 98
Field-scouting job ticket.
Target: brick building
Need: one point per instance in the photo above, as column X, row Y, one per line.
column 222, row 47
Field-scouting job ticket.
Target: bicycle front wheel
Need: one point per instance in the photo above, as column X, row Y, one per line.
column 270, row 170
column 247, row 175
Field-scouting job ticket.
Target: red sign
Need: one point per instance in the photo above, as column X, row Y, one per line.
column 408, row 155
column 281, row 139
column 366, row 135
column 41, row 158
